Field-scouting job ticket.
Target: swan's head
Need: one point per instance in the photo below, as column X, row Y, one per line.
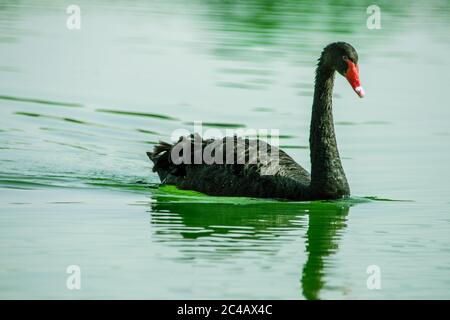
column 343, row 58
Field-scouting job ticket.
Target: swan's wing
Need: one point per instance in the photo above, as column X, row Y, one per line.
column 228, row 166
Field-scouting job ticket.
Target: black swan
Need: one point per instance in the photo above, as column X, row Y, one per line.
column 278, row 176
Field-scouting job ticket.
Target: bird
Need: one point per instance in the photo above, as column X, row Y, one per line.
column 276, row 175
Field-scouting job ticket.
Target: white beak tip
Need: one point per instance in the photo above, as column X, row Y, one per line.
column 360, row 91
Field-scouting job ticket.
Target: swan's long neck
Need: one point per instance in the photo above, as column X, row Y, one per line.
column 328, row 179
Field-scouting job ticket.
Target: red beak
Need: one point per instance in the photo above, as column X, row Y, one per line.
column 352, row 76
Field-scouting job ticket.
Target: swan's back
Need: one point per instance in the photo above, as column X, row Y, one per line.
column 270, row 173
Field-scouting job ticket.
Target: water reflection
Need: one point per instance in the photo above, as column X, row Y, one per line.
column 325, row 228
column 220, row 231
column 254, row 29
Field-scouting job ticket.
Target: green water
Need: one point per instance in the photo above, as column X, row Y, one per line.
column 79, row 109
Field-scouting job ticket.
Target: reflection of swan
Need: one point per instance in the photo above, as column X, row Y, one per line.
column 241, row 170
column 223, row 228
column 219, row 230
column 322, row 240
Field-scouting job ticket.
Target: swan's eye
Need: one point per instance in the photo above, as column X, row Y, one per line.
column 345, row 58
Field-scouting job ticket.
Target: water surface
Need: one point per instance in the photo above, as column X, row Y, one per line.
column 79, row 109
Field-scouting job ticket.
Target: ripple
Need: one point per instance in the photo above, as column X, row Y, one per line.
column 41, row 101
column 218, row 124
column 68, row 145
column 345, row 123
column 66, row 119
column 262, row 109
column 147, row 131
column 239, row 85
column 247, row 71
column 375, row 198
column 138, row 114
column 22, row 184
column 293, row 147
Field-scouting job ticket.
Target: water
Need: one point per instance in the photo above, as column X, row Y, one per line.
column 79, row 109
